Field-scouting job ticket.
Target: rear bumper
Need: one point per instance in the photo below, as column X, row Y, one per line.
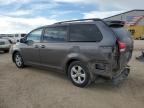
column 121, row 77
column 115, row 80
column 106, row 70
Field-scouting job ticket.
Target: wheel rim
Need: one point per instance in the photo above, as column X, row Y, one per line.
column 18, row 60
column 78, row 74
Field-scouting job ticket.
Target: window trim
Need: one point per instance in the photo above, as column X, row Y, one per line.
column 56, row 41
column 84, row 24
column 33, row 31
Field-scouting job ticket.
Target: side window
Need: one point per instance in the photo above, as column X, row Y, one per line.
column 35, row 35
column 16, row 35
column 84, row 33
column 55, row 34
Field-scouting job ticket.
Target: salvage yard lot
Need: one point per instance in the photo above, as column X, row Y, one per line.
column 39, row 88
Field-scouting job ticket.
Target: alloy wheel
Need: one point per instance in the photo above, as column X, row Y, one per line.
column 18, row 60
column 78, row 74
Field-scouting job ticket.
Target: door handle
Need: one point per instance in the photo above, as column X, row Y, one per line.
column 42, row 46
column 36, row 46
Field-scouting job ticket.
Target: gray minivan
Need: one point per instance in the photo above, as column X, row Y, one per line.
column 85, row 50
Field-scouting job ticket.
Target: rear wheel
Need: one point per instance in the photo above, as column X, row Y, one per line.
column 78, row 74
column 18, row 60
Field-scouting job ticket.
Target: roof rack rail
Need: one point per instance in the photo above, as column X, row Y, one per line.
column 79, row 20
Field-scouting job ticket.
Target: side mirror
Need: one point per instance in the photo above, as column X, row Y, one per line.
column 22, row 40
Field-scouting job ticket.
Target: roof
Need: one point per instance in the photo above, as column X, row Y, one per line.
column 125, row 13
column 71, row 21
column 79, row 20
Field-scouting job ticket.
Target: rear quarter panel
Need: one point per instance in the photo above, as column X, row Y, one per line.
column 90, row 52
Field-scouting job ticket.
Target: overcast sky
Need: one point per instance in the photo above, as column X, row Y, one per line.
column 21, row 16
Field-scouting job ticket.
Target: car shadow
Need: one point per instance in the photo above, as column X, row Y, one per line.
column 51, row 72
column 62, row 76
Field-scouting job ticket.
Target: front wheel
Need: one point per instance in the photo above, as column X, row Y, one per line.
column 79, row 74
column 18, row 60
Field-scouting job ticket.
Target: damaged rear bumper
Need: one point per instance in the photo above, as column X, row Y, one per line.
column 104, row 71
column 116, row 80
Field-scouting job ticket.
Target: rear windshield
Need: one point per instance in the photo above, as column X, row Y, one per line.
column 122, row 33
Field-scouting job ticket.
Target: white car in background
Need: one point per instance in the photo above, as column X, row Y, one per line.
column 14, row 38
column 4, row 45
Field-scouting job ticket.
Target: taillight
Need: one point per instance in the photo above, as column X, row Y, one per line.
column 122, row 46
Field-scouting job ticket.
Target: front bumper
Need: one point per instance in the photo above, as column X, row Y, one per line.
column 5, row 47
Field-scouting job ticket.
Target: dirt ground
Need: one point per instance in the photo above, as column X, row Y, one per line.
column 39, row 88
column 139, row 44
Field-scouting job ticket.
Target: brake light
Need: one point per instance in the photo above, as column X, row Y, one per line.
column 122, row 46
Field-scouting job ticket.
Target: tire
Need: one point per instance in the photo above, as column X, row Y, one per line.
column 79, row 74
column 18, row 60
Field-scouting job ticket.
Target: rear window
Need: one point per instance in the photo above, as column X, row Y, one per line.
column 84, row 33
column 122, row 33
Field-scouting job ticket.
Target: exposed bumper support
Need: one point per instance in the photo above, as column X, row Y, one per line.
column 121, row 77
column 116, row 80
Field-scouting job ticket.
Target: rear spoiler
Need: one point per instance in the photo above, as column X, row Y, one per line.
column 115, row 23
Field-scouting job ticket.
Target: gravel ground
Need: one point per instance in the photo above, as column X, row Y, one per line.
column 39, row 88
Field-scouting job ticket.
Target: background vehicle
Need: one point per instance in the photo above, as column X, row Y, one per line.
column 4, row 45
column 85, row 50
column 12, row 37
